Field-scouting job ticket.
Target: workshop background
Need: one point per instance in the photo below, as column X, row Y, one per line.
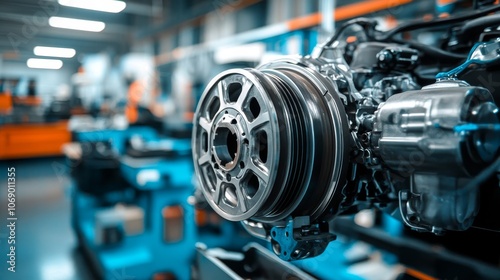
column 96, row 107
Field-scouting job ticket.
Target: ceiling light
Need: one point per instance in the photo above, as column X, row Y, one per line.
column 77, row 24
column 109, row 6
column 44, row 63
column 55, row 52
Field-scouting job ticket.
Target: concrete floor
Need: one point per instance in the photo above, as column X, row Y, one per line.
column 46, row 246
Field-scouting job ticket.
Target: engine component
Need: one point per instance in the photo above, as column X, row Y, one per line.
column 267, row 151
column 397, row 58
column 481, row 54
column 414, row 130
column 414, row 135
column 292, row 144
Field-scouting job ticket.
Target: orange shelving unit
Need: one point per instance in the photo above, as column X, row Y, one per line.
column 33, row 140
column 5, row 103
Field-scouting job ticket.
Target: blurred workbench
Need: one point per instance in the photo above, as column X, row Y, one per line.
column 26, row 140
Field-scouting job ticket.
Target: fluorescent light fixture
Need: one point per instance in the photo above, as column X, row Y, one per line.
column 55, row 52
column 77, row 24
column 44, row 63
column 109, row 6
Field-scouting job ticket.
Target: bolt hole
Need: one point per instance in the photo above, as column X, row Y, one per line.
column 252, row 185
column 234, row 91
column 254, row 108
column 213, row 108
column 242, row 164
column 276, row 248
column 204, row 142
column 261, row 137
column 413, row 219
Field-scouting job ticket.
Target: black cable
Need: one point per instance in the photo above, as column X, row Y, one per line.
column 484, row 175
column 442, row 55
column 367, row 23
column 436, row 22
column 363, row 22
column 475, row 27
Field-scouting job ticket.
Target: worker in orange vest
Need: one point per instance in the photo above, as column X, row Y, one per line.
column 136, row 113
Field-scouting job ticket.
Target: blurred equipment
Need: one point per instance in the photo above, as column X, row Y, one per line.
column 27, row 140
column 32, row 88
column 129, row 200
column 5, row 102
column 25, row 129
column 255, row 262
column 289, row 147
column 132, row 203
column 112, row 225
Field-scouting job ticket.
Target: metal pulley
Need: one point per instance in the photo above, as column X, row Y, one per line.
column 270, row 143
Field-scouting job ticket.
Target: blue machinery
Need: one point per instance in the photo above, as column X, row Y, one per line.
column 162, row 187
column 134, row 215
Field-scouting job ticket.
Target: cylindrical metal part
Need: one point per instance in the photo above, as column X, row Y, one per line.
column 270, row 143
column 416, row 133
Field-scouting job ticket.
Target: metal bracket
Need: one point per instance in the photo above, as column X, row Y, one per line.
column 300, row 239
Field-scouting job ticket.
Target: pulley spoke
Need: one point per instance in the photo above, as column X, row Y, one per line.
column 260, row 121
column 242, row 203
column 217, row 192
column 204, row 159
column 247, row 86
column 262, row 174
column 221, row 92
column 205, row 124
column 251, row 198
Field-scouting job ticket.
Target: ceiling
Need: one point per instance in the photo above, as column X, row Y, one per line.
column 24, row 25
